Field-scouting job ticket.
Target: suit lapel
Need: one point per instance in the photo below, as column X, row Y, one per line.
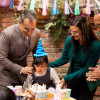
column 32, row 41
column 20, row 43
column 19, row 40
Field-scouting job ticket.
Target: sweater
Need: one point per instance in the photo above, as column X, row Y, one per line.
column 45, row 79
column 79, row 63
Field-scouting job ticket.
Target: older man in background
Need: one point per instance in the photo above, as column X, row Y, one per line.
column 94, row 73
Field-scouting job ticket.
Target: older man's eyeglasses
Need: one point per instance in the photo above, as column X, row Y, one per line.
column 70, row 31
column 28, row 29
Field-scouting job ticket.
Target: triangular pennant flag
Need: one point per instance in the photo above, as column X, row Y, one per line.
column 44, row 13
column 88, row 7
column 77, row 11
column 12, row 4
column 67, row 8
column 55, row 9
column 20, row 5
column 32, row 5
column 40, row 51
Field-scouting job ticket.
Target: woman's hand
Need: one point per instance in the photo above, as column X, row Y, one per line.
column 62, row 82
column 31, row 95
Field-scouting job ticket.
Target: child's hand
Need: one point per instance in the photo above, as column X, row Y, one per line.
column 62, row 82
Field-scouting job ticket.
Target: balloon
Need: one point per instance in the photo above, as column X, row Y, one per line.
column 5, row 3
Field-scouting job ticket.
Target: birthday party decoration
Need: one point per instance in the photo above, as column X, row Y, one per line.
column 32, row 5
column 67, row 8
column 40, row 51
column 12, row 4
column 88, row 7
column 55, row 9
column 5, row 3
column 44, row 13
column 98, row 3
column 77, row 12
column 97, row 6
column 19, row 6
column 27, row 84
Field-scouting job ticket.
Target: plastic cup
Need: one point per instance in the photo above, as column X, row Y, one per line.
column 59, row 94
column 10, row 87
column 19, row 90
column 14, row 90
column 68, row 92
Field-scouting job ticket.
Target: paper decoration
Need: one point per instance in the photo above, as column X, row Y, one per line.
column 88, row 7
column 5, row 3
column 96, row 6
column 55, row 9
column 19, row 6
column 77, row 12
column 98, row 3
column 40, row 50
column 67, row 8
column 28, row 83
column 32, row 5
column 44, row 13
column 12, row 4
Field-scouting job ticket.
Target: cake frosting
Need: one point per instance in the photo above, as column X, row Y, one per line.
column 40, row 90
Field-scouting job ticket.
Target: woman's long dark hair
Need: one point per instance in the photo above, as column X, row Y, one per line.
column 88, row 35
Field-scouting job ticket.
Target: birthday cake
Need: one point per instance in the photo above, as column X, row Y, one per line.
column 40, row 90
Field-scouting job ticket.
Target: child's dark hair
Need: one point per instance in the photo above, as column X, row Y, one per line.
column 39, row 60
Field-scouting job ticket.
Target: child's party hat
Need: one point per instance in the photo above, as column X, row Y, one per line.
column 40, row 51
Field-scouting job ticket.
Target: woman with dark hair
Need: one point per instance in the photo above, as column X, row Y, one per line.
column 82, row 49
column 6, row 93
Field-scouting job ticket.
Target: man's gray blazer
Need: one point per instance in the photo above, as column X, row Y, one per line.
column 13, row 53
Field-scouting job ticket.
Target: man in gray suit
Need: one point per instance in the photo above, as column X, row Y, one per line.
column 14, row 49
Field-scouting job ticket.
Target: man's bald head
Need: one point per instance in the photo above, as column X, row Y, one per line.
column 97, row 21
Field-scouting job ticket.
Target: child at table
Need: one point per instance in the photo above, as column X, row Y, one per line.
column 43, row 74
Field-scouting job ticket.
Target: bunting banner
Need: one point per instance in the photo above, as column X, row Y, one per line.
column 12, row 4
column 5, row 3
column 20, row 5
column 97, row 6
column 77, row 11
column 32, row 5
column 88, row 7
column 44, row 11
column 67, row 8
column 55, row 9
